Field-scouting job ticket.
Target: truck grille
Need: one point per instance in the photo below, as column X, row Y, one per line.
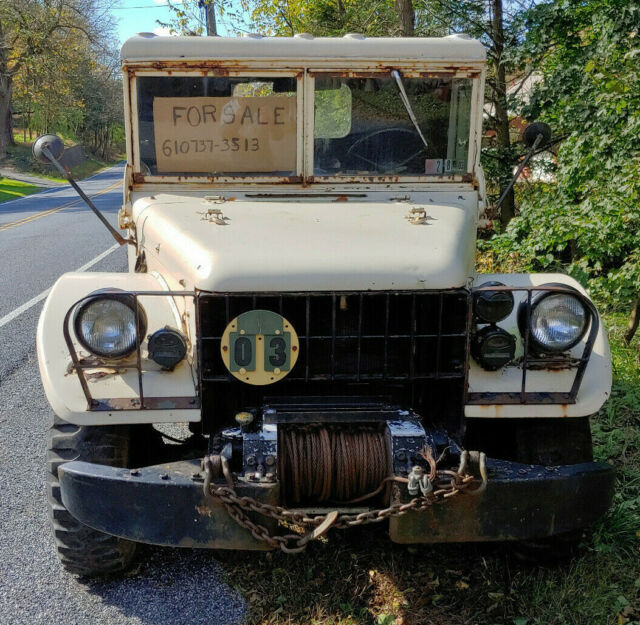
column 409, row 345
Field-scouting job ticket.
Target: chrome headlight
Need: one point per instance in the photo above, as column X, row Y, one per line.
column 557, row 321
column 105, row 324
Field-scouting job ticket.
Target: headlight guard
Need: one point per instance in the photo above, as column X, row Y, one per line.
column 535, row 358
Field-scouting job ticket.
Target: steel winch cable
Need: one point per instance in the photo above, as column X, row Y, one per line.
column 332, row 463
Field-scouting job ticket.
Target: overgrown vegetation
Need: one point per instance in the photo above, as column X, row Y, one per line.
column 59, row 72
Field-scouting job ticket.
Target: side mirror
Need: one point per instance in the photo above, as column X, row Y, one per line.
column 51, row 143
column 531, row 132
column 48, row 149
column 534, row 135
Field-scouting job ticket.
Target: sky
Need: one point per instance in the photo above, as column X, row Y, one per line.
column 136, row 16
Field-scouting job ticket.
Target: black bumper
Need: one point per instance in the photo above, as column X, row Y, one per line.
column 164, row 505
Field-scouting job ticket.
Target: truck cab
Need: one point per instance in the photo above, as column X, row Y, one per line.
column 301, row 219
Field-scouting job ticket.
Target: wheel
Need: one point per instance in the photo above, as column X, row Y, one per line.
column 82, row 550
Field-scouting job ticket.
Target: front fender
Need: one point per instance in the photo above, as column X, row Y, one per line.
column 596, row 383
column 59, row 377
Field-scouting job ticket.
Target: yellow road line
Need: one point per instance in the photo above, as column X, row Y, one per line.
column 26, row 220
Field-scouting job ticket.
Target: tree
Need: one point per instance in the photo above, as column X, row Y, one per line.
column 39, row 36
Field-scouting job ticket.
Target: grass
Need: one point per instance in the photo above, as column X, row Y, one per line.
column 21, row 159
column 13, row 189
column 360, row 577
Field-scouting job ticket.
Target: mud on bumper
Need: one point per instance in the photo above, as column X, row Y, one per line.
column 165, row 505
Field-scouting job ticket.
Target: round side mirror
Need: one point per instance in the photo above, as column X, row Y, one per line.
column 51, row 142
column 532, row 131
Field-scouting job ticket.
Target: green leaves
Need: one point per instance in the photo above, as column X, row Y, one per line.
column 588, row 222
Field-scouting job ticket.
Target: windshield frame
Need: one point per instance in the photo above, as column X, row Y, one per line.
column 304, row 173
column 195, row 178
column 309, row 90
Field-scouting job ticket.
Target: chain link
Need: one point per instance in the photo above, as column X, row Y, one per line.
column 448, row 484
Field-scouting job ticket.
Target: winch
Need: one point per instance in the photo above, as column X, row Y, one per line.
column 330, row 453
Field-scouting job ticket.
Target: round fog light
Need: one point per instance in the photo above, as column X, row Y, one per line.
column 493, row 347
column 492, row 306
column 167, row 347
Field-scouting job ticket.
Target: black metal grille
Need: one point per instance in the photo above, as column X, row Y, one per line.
column 411, row 345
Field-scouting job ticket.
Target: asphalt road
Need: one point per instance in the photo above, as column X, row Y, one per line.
column 41, row 237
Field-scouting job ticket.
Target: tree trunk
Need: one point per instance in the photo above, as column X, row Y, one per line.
column 8, row 127
column 634, row 321
column 406, row 17
column 507, row 210
column 5, row 107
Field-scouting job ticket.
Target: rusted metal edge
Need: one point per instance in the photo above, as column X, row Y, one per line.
column 539, row 397
column 149, row 403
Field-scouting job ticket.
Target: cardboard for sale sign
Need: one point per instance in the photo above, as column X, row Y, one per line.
column 225, row 135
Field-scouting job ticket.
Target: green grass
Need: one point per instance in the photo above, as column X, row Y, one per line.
column 360, row 577
column 12, row 189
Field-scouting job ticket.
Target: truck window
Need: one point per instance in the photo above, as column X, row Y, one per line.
column 369, row 131
column 217, row 126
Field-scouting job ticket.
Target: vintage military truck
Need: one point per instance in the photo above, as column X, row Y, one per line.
column 301, row 217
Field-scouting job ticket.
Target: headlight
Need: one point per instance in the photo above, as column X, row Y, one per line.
column 106, row 324
column 557, row 321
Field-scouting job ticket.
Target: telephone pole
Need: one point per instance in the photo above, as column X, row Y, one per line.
column 210, row 16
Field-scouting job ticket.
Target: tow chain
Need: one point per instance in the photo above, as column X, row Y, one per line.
column 446, row 484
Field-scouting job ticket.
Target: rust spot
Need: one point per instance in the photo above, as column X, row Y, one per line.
column 341, row 198
column 203, row 510
column 98, row 375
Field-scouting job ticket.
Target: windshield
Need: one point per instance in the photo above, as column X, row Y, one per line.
column 216, row 126
column 363, row 126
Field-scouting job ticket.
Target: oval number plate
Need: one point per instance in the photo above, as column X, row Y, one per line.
column 259, row 347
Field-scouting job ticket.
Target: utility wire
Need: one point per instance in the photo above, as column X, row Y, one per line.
column 146, row 6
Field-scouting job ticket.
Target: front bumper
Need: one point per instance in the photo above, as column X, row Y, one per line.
column 165, row 505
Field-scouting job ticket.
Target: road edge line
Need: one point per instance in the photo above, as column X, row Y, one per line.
column 16, row 312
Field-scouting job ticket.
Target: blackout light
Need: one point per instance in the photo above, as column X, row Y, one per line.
column 492, row 347
column 167, row 347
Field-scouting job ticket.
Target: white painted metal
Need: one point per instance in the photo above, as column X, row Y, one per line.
column 326, row 49
column 315, row 245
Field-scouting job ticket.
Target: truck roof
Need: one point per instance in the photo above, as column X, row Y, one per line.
column 303, row 47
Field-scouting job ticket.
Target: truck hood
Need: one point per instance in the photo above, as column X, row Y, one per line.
column 308, row 245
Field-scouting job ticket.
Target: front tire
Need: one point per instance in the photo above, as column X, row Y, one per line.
column 81, row 549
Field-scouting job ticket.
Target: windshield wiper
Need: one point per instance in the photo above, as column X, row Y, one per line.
column 407, row 105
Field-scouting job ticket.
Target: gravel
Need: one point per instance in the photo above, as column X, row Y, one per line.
column 169, row 586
